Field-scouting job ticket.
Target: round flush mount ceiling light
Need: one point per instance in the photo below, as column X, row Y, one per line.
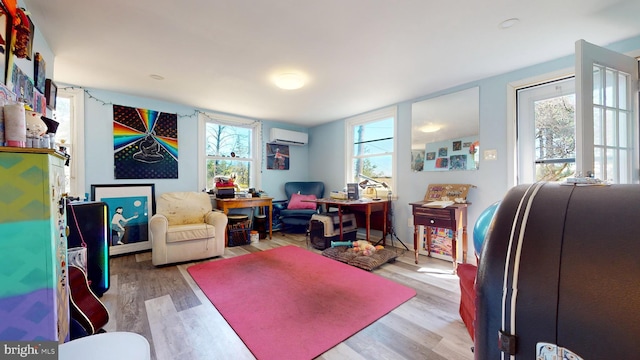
column 156, row 77
column 289, row 81
column 429, row 128
column 508, row 23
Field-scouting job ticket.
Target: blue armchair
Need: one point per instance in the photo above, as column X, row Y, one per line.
column 298, row 219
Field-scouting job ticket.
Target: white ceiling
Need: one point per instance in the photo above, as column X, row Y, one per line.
column 455, row 115
column 357, row 55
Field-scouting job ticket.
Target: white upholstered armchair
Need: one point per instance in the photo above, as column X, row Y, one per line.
column 186, row 228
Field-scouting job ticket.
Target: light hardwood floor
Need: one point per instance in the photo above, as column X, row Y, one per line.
column 166, row 306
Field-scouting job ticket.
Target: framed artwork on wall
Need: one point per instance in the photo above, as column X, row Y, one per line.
column 50, row 92
column 145, row 143
column 15, row 80
column 5, row 32
column 417, row 160
column 32, row 30
column 39, row 72
column 458, row 162
column 277, row 157
column 39, row 102
column 442, row 163
column 22, row 31
column 130, row 209
column 26, row 84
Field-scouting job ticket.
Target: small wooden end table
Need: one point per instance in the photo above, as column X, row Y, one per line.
column 240, row 203
column 452, row 217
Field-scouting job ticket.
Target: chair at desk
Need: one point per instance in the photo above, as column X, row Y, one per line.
column 295, row 214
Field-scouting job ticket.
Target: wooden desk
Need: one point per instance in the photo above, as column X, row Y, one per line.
column 240, row 203
column 452, row 217
column 367, row 207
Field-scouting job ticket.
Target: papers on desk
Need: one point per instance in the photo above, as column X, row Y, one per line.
column 438, row 204
column 340, row 195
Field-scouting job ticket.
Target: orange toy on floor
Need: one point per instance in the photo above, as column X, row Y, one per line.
column 359, row 246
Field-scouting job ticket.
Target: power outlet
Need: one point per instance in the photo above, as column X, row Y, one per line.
column 490, row 154
column 410, row 222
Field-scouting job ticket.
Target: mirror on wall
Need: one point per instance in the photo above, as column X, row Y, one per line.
column 444, row 132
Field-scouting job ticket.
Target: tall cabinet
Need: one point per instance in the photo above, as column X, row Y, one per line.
column 34, row 297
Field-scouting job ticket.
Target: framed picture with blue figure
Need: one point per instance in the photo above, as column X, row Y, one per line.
column 130, row 207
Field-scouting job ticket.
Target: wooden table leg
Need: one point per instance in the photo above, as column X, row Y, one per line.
column 270, row 220
column 226, row 230
column 464, row 244
column 385, row 223
column 340, row 221
column 428, row 234
column 368, row 220
column 416, row 230
column 454, row 251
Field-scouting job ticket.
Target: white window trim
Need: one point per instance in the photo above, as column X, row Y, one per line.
column 588, row 55
column 350, row 123
column 512, row 111
column 512, row 117
column 526, row 167
column 233, row 121
column 77, row 164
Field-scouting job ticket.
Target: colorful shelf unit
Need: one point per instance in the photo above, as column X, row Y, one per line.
column 34, row 297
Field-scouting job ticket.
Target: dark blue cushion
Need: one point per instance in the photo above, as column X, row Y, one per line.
column 304, row 187
column 296, row 217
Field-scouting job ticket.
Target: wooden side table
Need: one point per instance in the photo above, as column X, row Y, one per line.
column 238, row 203
column 452, row 217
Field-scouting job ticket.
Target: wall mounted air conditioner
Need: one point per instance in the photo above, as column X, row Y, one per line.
column 288, row 137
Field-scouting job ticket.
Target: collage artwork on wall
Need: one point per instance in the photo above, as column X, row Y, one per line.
column 447, row 155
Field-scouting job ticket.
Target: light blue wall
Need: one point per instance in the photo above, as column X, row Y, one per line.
column 273, row 180
column 98, row 131
column 99, row 146
column 491, row 179
column 326, row 155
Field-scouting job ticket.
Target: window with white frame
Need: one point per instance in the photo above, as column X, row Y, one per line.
column 607, row 111
column 613, row 126
column 546, row 131
column 583, row 125
column 371, row 147
column 229, row 147
column 69, row 113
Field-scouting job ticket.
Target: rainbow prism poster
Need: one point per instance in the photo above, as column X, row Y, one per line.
column 145, row 144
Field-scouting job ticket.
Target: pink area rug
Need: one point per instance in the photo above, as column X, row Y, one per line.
column 290, row 303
